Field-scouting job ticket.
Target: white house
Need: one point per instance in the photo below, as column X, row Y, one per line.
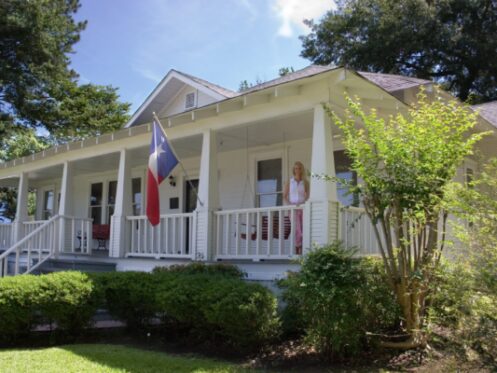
column 237, row 149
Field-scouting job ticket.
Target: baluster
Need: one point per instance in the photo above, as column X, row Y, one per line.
column 182, row 234
column 218, row 234
column 281, row 237
column 247, row 233
column 269, row 232
column 237, row 230
column 258, row 233
column 292, row 231
column 227, row 233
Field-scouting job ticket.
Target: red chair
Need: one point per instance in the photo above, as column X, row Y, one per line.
column 101, row 233
column 287, row 227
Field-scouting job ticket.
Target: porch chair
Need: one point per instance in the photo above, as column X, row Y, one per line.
column 287, row 228
column 101, row 233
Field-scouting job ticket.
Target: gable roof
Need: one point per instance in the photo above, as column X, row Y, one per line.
column 158, row 98
column 488, row 111
column 214, row 87
column 167, row 90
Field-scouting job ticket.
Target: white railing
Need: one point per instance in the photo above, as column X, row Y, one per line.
column 30, row 226
column 357, row 231
column 31, row 251
column 78, row 235
column 173, row 237
column 5, row 235
column 257, row 233
column 43, row 241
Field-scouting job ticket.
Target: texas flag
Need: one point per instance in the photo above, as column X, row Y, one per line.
column 161, row 162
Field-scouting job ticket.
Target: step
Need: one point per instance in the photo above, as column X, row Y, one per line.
column 58, row 265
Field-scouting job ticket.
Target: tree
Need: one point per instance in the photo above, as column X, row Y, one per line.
column 449, row 41
column 37, row 87
column 406, row 164
column 41, row 102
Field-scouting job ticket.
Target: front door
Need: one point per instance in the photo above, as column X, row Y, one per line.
column 191, row 189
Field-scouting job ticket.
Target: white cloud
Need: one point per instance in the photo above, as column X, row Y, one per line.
column 293, row 12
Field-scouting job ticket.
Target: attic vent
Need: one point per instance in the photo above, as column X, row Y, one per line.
column 190, row 100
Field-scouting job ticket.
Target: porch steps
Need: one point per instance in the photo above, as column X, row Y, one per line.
column 58, row 265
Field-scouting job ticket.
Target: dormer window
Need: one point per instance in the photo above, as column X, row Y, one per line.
column 190, row 100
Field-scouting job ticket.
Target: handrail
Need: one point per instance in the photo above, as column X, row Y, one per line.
column 177, row 215
column 259, row 209
column 28, row 237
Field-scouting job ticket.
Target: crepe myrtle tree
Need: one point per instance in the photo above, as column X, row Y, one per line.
column 405, row 164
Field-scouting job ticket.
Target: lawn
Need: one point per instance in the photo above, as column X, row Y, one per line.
column 97, row 358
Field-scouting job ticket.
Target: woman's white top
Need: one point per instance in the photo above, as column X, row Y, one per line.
column 296, row 193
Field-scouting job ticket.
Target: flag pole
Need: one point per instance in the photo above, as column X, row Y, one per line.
column 179, row 161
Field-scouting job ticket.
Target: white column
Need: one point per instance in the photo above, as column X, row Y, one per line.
column 208, row 197
column 321, row 214
column 21, row 208
column 118, row 244
column 66, row 206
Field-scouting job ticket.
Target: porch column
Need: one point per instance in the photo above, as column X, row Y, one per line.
column 321, row 210
column 65, row 206
column 208, row 198
column 118, row 244
column 21, row 208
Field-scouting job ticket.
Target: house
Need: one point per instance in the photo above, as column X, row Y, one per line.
column 237, row 150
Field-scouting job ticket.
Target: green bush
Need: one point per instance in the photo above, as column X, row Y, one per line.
column 461, row 301
column 337, row 299
column 221, row 308
column 19, row 300
column 199, row 268
column 66, row 298
column 69, row 299
column 129, row 296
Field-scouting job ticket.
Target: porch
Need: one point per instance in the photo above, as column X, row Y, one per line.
column 238, row 215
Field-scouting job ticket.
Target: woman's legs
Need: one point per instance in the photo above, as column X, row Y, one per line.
column 298, row 231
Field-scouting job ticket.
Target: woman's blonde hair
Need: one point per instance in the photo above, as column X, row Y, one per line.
column 304, row 172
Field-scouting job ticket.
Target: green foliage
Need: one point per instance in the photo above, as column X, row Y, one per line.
column 476, row 205
column 406, row 163
column 338, row 299
column 202, row 268
column 66, row 298
column 462, row 304
column 41, row 103
column 444, row 40
column 129, row 296
column 220, row 308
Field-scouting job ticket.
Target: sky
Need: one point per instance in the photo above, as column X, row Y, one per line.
column 132, row 44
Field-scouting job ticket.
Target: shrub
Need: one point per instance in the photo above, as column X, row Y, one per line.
column 19, row 297
column 337, row 299
column 198, row 268
column 129, row 296
column 69, row 299
column 66, row 298
column 221, row 308
column 462, row 302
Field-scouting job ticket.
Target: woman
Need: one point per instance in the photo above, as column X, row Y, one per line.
column 296, row 192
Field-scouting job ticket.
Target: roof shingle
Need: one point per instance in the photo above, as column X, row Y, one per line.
column 488, row 111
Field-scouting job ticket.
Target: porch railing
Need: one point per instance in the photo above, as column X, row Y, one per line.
column 5, row 235
column 357, row 231
column 173, row 237
column 78, row 235
column 256, row 233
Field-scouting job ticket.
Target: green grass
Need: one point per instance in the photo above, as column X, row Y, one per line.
column 97, row 358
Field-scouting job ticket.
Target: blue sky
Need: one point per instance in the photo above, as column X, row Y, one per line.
column 132, row 44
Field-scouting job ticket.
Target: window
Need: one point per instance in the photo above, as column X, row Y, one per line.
column 136, row 191
column 96, row 192
column 189, row 100
column 269, row 190
column 48, row 204
column 111, row 199
column 343, row 170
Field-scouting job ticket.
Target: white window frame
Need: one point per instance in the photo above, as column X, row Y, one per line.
column 264, row 156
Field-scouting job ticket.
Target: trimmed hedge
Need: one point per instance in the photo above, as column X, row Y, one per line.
column 221, row 308
column 68, row 299
column 212, row 302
